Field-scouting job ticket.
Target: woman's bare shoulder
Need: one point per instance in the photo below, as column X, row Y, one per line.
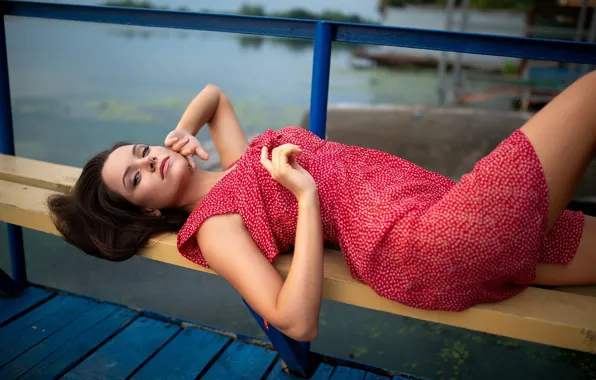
column 218, row 227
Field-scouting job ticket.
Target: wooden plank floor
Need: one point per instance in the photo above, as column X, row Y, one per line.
column 46, row 334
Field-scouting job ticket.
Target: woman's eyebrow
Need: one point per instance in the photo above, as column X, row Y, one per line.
column 134, row 148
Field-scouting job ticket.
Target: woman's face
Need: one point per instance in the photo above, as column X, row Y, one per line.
column 151, row 177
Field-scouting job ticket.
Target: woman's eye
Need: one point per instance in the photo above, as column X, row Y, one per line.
column 136, row 179
column 145, row 151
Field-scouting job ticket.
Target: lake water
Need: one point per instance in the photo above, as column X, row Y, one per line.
column 78, row 87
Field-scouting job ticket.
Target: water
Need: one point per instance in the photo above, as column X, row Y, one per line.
column 77, row 88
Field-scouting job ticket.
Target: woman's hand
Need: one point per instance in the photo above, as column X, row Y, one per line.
column 187, row 145
column 285, row 170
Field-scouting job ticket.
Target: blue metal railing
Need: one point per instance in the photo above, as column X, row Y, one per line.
column 322, row 32
column 15, row 233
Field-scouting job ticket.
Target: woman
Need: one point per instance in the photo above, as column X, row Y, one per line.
column 414, row 236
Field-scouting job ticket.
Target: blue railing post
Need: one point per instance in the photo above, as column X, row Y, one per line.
column 319, row 93
column 294, row 354
column 15, row 233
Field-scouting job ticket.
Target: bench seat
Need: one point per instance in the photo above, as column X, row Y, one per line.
column 562, row 317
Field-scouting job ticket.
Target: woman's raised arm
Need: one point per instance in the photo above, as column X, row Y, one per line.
column 211, row 106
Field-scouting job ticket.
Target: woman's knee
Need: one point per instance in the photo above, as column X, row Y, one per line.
column 587, row 83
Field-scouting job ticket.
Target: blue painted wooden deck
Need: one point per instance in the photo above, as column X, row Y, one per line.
column 46, row 334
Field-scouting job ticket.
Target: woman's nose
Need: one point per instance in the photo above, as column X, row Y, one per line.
column 150, row 163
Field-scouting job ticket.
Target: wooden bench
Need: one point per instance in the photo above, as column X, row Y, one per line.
column 563, row 317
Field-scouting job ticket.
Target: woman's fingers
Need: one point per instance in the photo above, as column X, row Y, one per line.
column 199, row 151
column 283, row 157
column 170, row 141
column 283, row 154
column 275, row 159
column 265, row 160
column 191, row 162
column 177, row 146
column 285, row 169
column 288, row 149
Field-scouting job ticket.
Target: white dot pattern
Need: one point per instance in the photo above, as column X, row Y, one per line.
column 413, row 236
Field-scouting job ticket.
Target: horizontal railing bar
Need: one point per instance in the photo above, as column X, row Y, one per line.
column 270, row 26
column 471, row 43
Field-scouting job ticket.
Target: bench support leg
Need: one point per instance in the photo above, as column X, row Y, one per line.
column 294, row 354
column 8, row 286
column 17, row 255
column 15, row 233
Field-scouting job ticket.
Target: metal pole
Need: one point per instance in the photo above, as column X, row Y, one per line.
column 579, row 33
column 591, row 38
column 457, row 72
column 444, row 54
column 296, row 355
column 319, row 93
column 15, row 233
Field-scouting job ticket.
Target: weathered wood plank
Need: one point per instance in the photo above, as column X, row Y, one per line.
column 25, row 206
column 14, row 306
column 185, row 356
column 347, row 373
column 241, row 361
column 322, row 372
column 62, row 359
column 374, row 376
column 36, row 173
column 189, row 353
column 125, row 352
column 37, row 325
column 43, row 349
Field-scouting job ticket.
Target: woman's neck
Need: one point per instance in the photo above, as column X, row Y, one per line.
column 200, row 184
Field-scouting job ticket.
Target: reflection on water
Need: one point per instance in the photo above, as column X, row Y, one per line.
column 244, row 40
column 77, row 88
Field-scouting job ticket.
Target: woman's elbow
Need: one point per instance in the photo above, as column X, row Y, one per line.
column 305, row 333
column 213, row 87
column 310, row 335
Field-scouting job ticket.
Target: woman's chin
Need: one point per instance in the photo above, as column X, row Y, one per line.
column 179, row 175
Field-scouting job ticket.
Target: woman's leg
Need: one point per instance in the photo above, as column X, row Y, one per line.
column 563, row 135
column 581, row 271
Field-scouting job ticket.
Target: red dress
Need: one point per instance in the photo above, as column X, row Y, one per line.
column 413, row 236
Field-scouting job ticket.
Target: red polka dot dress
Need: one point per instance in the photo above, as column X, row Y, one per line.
column 413, row 236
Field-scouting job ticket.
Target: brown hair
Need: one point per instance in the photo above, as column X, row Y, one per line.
column 102, row 223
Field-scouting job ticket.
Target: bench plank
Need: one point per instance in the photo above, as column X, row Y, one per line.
column 557, row 318
column 38, row 173
column 25, row 206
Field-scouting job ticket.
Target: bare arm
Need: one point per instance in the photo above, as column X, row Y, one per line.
column 211, row 106
column 292, row 306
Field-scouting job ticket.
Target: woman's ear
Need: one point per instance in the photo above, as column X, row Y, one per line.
column 150, row 211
